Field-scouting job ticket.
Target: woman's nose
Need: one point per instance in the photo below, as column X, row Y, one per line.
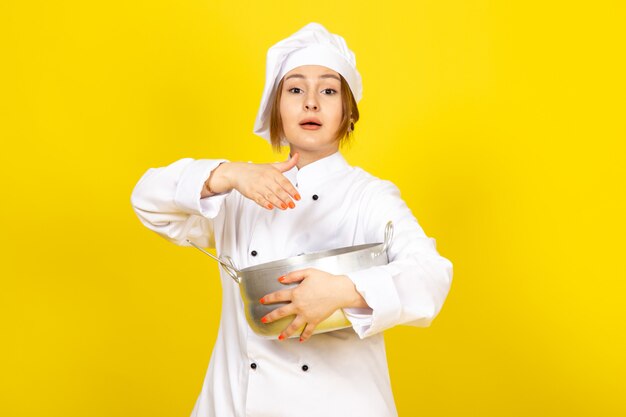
column 311, row 103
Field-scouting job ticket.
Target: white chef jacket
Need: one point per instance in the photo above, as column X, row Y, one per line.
column 340, row 373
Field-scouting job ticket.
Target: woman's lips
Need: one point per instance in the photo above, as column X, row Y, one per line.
column 310, row 127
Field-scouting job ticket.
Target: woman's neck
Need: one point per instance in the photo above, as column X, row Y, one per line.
column 307, row 157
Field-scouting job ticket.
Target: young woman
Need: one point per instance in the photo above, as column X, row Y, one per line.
column 256, row 213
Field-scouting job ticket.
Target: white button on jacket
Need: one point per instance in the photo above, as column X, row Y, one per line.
column 341, row 373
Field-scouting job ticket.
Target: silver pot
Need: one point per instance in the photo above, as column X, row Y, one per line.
column 259, row 280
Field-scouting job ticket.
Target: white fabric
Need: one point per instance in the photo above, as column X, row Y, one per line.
column 347, row 369
column 311, row 45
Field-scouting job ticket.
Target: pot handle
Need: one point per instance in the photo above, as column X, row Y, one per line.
column 227, row 263
column 388, row 238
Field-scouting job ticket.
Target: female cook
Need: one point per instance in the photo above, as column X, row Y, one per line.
column 256, row 213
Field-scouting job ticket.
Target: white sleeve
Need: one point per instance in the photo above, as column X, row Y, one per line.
column 167, row 201
column 411, row 289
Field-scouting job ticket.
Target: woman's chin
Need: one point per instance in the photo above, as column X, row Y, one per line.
column 311, row 142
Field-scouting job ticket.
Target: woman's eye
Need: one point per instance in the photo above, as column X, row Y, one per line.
column 328, row 91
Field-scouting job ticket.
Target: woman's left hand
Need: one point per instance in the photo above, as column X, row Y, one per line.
column 317, row 297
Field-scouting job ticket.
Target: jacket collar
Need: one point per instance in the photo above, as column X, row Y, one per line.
column 316, row 172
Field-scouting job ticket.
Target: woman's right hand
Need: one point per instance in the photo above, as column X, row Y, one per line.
column 264, row 184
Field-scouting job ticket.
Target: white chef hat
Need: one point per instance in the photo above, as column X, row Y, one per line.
column 311, row 45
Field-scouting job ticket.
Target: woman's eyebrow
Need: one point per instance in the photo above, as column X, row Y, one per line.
column 321, row 76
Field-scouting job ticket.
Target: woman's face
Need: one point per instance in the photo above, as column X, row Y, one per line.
column 311, row 93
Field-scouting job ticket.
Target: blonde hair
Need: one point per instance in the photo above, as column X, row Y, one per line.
column 350, row 115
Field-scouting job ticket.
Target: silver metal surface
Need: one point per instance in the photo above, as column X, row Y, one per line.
column 260, row 280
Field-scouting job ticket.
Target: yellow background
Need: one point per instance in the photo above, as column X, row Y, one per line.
column 502, row 122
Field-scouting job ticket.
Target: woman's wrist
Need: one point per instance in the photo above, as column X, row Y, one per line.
column 352, row 297
column 218, row 181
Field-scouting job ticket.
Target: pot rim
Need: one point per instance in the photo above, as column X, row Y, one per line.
column 236, row 274
column 308, row 257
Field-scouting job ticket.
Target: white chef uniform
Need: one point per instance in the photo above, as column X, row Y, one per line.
column 341, row 373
